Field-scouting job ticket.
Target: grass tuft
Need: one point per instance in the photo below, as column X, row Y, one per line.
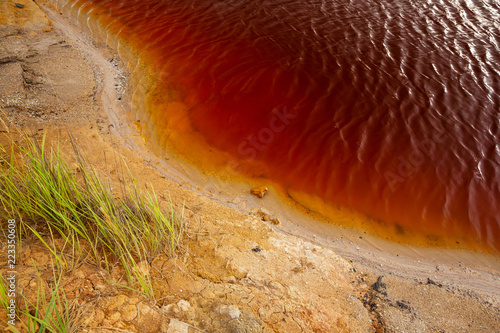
column 49, row 310
column 56, row 202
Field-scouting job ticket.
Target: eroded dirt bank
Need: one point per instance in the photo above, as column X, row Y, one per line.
column 237, row 273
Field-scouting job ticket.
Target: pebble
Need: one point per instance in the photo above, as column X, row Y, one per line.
column 177, row 326
column 184, row 305
column 259, row 191
column 231, row 310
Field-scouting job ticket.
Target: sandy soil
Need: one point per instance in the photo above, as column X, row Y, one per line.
column 237, row 273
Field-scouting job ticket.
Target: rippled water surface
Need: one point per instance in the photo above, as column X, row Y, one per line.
column 387, row 107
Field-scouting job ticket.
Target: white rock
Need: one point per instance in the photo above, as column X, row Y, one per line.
column 177, row 326
column 183, row 305
column 233, row 312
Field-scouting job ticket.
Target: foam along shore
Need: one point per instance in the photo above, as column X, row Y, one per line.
column 236, row 271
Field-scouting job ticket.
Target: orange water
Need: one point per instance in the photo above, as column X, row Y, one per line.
column 387, row 108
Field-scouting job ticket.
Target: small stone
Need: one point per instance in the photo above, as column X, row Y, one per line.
column 19, row 5
column 259, row 191
column 231, row 279
column 232, row 311
column 184, row 305
column 276, row 221
column 170, row 309
column 266, row 216
column 177, row 326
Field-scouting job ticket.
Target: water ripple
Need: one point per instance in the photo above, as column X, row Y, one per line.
column 403, row 88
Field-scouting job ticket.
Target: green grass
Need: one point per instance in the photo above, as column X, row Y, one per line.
column 77, row 216
column 49, row 311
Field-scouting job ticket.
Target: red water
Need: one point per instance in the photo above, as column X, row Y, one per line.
column 389, row 108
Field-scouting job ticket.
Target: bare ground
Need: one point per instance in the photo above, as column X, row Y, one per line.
column 237, row 273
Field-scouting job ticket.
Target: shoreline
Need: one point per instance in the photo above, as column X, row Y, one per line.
column 166, row 122
column 326, row 256
column 177, row 54
column 369, row 251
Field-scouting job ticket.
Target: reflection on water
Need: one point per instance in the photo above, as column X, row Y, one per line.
column 389, row 108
